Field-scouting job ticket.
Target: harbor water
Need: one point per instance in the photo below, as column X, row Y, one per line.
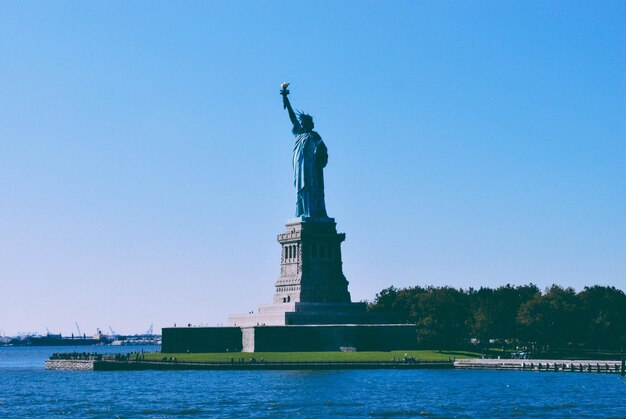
column 27, row 390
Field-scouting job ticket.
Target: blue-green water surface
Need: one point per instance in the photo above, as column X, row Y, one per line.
column 27, row 390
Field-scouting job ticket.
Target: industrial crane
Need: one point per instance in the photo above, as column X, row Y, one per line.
column 79, row 332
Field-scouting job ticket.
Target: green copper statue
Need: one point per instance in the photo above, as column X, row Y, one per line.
column 309, row 159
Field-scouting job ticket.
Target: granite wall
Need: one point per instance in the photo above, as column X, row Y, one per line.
column 334, row 337
column 289, row 338
column 201, row 339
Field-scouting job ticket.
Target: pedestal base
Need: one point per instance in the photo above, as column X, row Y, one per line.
column 290, row 314
column 309, row 338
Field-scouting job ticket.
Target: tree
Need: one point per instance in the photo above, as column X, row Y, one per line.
column 449, row 317
column 484, row 316
column 508, row 301
column 494, row 312
column 400, row 305
column 550, row 319
column 444, row 317
column 603, row 317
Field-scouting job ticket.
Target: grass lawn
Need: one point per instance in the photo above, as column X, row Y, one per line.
column 424, row 355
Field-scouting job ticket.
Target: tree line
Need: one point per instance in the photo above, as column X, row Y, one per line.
column 446, row 317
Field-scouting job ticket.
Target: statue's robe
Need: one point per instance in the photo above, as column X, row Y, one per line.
column 309, row 159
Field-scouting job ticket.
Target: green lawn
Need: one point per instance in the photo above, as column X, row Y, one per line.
column 425, row 355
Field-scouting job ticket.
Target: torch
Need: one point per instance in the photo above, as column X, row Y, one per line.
column 284, row 91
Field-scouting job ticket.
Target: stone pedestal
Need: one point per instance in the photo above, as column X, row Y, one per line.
column 312, row 288
column 311, row 309
column 310, row 264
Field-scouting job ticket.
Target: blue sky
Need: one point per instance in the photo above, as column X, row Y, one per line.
column 145, row 156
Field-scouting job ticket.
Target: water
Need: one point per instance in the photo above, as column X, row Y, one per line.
column 26, row 389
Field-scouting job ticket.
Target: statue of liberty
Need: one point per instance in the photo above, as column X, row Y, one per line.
column 309, row 159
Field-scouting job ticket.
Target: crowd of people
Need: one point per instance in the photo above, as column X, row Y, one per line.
column 93, row 356
column 82, row 356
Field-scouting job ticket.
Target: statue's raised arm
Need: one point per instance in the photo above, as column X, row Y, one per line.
column 287, row 105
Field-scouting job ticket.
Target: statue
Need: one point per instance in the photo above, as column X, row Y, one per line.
column 309, row 159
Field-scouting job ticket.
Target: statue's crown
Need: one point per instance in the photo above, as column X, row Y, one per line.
column 304, row 117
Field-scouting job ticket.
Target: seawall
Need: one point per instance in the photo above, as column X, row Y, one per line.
column 70, row 364
column 110, row 365
column 260, row 366
column 538, row 365
column 558, row 365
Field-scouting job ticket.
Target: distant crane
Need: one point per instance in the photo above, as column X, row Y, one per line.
column 112, row 331
column 78, row 328
column 150, row 330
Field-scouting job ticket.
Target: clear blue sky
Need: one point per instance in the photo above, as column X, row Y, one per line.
column 145, row 156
